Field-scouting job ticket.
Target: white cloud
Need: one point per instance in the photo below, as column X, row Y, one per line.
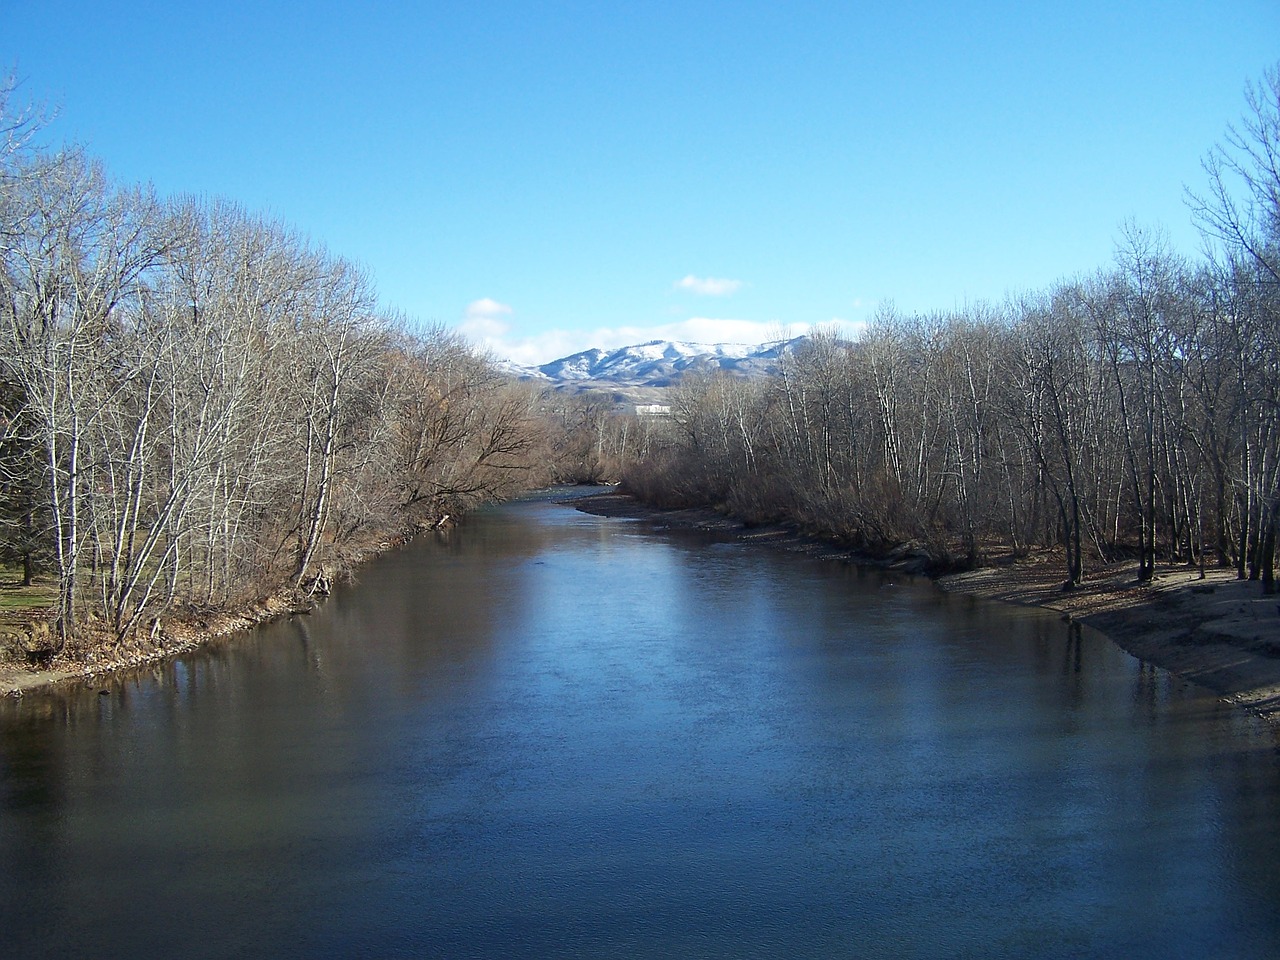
column 709, row 286
column 849, row 329
column 708, row 330
column 484, row 324
column 554, row 344
column 488, row 324
column 486, row 309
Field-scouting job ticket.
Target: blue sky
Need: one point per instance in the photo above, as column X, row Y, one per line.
column 553, row 176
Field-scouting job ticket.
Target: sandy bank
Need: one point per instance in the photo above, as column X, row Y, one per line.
column 1219, row 632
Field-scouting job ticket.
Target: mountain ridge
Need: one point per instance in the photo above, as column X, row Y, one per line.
column 655, row 363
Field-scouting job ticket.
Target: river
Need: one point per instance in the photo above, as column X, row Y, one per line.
column 548, row 734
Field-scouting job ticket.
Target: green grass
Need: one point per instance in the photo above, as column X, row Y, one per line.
column 15, row 598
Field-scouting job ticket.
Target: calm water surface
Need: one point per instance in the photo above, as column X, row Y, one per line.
column 556, row 735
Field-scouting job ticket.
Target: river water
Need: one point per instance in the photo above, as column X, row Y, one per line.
column 547, row 734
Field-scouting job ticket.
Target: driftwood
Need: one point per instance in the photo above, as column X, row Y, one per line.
column 321, row 585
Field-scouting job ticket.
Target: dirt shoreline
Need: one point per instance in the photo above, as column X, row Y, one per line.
column 1219, row 632
column 172, row 637
column 170, row 640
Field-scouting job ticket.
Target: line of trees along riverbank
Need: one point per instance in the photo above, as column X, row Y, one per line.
column 199, row 408
column 1132, row 413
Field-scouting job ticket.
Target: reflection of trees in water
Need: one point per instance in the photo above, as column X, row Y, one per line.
column 34, row 796
column 374, row 720
column 1073, row 650
column 1150, row 689
column 1072, row 671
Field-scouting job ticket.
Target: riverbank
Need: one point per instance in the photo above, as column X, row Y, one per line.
column 1219, row 632
column 91, row 659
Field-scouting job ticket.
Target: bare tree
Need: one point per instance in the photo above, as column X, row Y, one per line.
column 73, row 269
column 1242, row 206
column 1241, row 214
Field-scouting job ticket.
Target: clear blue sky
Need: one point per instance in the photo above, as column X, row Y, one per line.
column 546, row 174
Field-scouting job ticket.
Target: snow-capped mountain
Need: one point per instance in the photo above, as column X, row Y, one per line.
column 658, row 363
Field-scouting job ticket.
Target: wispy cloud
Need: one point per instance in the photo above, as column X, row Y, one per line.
column 486, row 309
column 484, row 322
column 708, row 286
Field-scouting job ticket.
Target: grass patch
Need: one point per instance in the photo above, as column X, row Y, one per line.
column 15, row 598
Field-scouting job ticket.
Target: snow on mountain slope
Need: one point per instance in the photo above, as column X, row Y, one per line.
column 658, row 363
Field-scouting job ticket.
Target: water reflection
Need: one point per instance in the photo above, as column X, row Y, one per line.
column 557, row 735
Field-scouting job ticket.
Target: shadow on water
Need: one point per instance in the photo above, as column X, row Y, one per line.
column 554, row 735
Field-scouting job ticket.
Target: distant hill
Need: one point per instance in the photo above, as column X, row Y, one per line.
column 654, row 365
